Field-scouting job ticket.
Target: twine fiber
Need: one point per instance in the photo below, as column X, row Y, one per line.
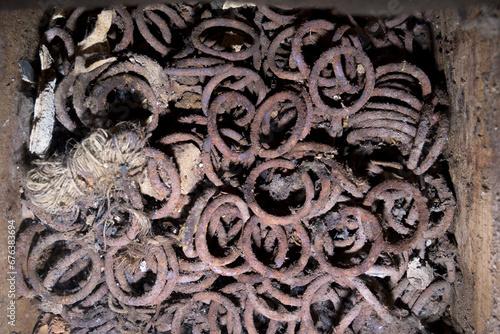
column 102, row 163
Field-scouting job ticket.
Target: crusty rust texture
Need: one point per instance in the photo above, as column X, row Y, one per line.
column 258, row 228
column 471, row 59
column 472, row 70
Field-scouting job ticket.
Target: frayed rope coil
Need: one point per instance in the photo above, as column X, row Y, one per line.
column 102, row 163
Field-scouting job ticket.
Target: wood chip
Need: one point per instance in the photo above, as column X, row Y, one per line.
column 100, row 32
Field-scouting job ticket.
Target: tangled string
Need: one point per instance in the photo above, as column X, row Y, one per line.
column 321, row 206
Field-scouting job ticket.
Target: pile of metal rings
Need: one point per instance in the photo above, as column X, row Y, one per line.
column 322, row 206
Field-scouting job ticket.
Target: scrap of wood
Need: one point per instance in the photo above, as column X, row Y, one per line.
column 44, row 113
column 100, row 32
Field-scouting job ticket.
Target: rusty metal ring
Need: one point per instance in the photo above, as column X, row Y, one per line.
column 97, row 102
column 140, row 14
column 232, row 99
column 220, row 265
column 271, row 57
column 316, row 26
column 407, row 68
column 326, row 58
column 278, row 269
column 151, row 297
column 225, row 23
column 263, row 114
column 45, row 288
column 368, row 228
column 160, row 169
column 377, row 193
column 268, row 218
column 248, row 76
column 234, row 321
